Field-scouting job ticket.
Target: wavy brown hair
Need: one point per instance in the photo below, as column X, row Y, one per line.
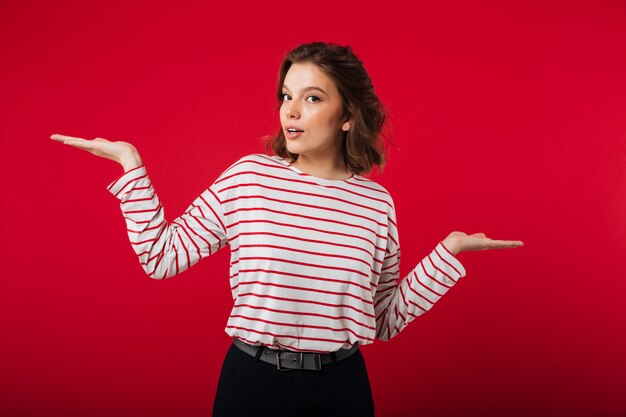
column 362, row 145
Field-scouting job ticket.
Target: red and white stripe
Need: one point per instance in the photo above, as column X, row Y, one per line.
column 314, row 263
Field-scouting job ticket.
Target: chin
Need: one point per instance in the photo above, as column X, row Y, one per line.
column 293, row 149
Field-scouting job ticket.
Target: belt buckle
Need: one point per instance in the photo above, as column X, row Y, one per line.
column 283, row 369
column 317, row 362
column 278, row 360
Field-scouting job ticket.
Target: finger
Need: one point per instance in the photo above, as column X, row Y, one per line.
column 504, row 244
column 82, row 144
column 63, row 138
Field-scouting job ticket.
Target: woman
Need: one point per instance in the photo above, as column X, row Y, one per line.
column 315, row 250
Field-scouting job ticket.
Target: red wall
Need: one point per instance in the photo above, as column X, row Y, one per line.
column 508, row 119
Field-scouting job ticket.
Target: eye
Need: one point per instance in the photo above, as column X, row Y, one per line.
column 282, row 96
column 315, row 97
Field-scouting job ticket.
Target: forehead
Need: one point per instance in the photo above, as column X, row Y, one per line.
column 305, row 74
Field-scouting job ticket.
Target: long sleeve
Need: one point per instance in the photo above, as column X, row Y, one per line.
column 164, row 249
column 396, row 305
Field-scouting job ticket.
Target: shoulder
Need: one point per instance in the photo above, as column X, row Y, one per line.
column 247, row 166
column 374, row 189
column 249, row 162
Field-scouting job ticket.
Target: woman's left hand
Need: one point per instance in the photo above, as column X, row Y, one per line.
column 458, row 242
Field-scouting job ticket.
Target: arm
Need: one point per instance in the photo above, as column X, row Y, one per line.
column 396, row 305
column 163, row 249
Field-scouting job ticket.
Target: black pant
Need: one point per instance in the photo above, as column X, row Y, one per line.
column 250, row 388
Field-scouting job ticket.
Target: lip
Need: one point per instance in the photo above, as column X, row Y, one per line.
column 290, row 135
column 295, row 135
column 293, row 127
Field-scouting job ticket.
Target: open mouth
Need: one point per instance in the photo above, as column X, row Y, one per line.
column 293, row 133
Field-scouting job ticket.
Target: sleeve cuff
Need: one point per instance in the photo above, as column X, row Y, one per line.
column 450, row 259
column 127, row 178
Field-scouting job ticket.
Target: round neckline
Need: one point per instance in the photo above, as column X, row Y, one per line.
column 313, row 177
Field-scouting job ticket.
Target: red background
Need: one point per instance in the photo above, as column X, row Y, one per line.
column 508, row 119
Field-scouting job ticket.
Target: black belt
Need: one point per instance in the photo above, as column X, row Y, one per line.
column 287, row 360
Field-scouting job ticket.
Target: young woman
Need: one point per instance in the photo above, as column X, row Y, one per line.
column 315, row 251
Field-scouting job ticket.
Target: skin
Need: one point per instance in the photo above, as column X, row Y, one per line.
column 319, row 147
column 123, row 153
column 318, row 113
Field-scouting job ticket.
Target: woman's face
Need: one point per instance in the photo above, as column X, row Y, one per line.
column 312, row 105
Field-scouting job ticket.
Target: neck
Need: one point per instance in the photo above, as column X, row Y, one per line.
column 327, row 168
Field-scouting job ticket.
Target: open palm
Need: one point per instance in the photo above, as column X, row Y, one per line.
column 121, row 152
column 458, row 242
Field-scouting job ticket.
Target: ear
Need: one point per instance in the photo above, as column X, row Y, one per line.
column 345, row 126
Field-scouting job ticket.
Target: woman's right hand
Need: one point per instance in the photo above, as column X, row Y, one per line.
column 123, row 153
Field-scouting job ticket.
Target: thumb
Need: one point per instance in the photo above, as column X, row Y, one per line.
column 479, row 235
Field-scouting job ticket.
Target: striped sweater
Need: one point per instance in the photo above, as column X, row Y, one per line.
column 314, row 263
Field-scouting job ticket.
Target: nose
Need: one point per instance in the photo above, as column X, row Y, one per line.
column 291, row 111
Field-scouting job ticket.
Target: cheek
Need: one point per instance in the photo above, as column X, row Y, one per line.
column 324, row 119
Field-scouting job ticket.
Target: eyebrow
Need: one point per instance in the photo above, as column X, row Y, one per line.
column 312, row 87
